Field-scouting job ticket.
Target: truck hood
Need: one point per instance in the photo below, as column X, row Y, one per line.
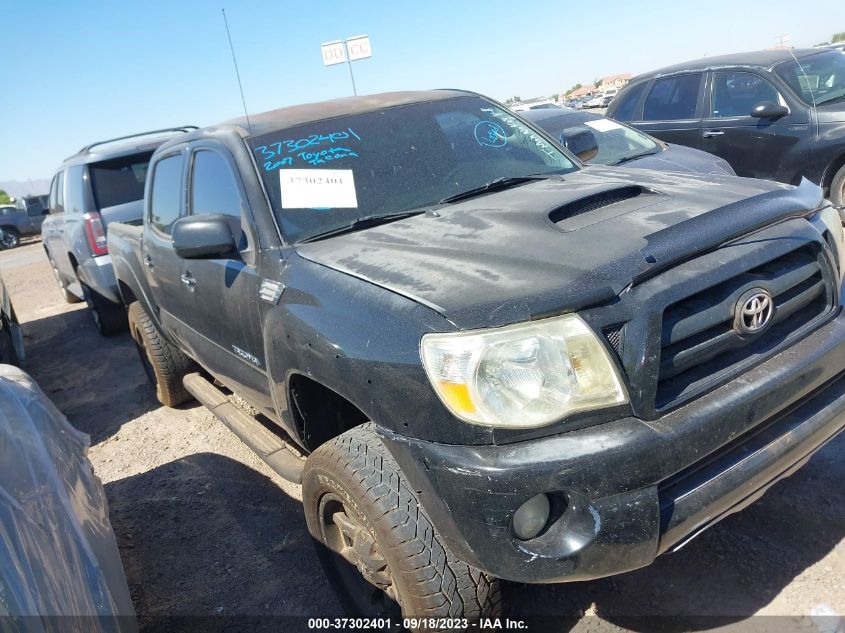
column 556, row 245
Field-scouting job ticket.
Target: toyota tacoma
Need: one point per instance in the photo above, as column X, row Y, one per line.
column 482, row 359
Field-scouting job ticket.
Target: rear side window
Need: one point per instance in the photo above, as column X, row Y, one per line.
column 736, row 93
column 76, row 189
column 213, row 185
column 672, row 98
column 57, row 196
column 166, row 199
column 119, row 180
column 628, row 100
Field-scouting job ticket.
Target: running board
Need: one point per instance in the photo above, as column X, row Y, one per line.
column 251, row 432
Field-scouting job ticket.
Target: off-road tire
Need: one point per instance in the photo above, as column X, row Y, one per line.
column 109, row 317
column 164, row 363
column 429, row 580
column 837, row 187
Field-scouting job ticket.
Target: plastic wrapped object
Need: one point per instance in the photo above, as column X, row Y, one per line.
column 60, row 569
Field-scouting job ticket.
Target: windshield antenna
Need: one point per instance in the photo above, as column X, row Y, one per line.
column 807, row 79
column 237, row 73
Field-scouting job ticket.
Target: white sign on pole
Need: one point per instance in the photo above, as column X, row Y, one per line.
column 333, row 53
column 359, row 47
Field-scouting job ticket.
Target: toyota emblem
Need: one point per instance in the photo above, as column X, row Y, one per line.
column 754, row 312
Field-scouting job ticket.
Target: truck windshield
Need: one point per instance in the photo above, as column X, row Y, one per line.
column 330, row 174
column 119, row 180
column 819, row 78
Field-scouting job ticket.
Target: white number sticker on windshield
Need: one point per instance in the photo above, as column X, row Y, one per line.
column 603, row 125
column 318, row 189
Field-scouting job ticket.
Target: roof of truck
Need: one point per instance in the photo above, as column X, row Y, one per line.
column 290, row 116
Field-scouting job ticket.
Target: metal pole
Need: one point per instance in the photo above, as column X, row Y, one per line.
column 349, row 63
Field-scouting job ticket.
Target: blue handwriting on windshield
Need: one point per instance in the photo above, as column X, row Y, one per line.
column 490, row 134
column 277, row 155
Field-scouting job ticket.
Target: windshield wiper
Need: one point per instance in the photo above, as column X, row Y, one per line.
column 364, row 223
column 626, row 159
column 498, row 184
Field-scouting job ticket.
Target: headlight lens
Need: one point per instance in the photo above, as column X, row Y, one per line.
column 523, row 375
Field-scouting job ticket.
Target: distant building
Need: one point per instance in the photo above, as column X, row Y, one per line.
column 583, row 91
column 615, row 81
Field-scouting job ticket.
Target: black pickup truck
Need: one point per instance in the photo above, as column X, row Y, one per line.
column 486, row 360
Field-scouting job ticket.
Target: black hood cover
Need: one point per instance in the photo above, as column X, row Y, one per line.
column 556, row 245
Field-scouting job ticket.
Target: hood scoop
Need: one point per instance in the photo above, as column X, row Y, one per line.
column 601, row 206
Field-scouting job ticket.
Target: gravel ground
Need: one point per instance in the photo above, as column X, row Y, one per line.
column 206, row 529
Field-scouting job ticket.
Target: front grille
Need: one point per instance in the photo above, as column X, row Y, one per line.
column 699, row 345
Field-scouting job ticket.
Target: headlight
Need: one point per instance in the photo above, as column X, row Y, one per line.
column 830, row 217
column 523, row 375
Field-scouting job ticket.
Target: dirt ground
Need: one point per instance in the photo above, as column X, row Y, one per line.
column 206, row 529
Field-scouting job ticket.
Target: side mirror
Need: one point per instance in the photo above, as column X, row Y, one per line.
column 202, row 236
column 769, row 110
column 581, row 142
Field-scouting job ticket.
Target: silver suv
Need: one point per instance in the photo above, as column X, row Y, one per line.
column 102, row 183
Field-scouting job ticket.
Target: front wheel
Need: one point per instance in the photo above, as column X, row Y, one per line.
column 67, row 294
column 10, row 238
column 377, row 545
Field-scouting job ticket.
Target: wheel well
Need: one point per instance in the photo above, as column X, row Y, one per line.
column 126, row 293
column 834, row 167
column 319, row 412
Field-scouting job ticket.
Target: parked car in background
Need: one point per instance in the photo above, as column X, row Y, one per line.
column 607, row 96
column 24, row 218
column 102, row 183
column 602, row 141
column 499, row 365
column 61, row 569
column 596, row 101
column 771, row 114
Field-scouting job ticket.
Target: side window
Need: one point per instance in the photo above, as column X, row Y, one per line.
column 628, row 102
column 214, row 188
column 672, row 98
column 75, row 189
column 57, row 194
column 166, row 198
column 736, row 93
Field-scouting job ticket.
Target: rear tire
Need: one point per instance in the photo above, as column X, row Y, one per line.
column 837, row 188
column 109, row 317
column 364, row 517
column 164, row 363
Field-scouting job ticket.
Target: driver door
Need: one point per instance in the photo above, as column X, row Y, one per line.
column 223, row 292
column 754, row 147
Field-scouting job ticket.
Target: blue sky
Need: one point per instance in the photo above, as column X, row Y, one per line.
column 76, row 72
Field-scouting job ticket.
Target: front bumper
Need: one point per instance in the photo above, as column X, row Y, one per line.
column 630, row 490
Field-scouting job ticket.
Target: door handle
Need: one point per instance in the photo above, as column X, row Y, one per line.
column 188, row 281
column 148, row 261
column 712, row 133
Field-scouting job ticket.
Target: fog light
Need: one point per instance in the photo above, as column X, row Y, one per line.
column 531, row 517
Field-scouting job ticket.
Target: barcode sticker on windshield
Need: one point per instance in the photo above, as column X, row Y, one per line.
column 318, row 189
column 603, row 125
